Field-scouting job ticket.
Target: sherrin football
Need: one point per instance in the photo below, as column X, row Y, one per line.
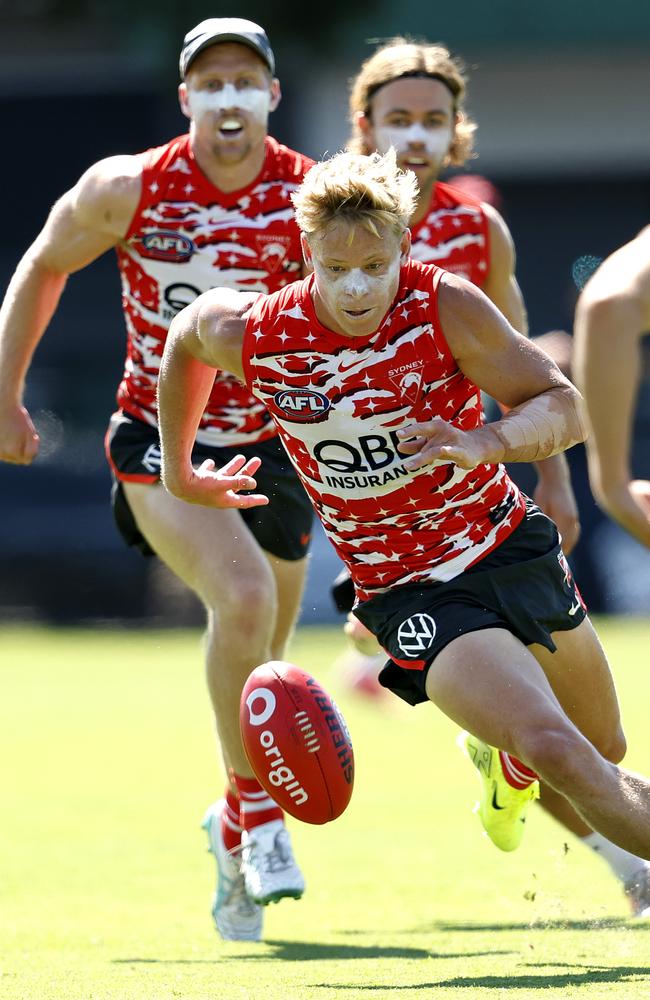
column 297, row 742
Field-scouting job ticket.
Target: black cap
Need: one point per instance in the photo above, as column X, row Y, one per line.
column 225, row 29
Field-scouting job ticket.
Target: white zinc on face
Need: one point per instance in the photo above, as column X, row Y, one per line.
column 255, row 102
column 355, row 299
column 434, row 141
column 357, row 275
column 356, row 283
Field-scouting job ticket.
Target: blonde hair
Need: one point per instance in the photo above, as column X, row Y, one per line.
column 370, row 191
column 402, row 57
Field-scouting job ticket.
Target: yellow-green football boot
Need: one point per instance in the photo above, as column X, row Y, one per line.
column 502, row 809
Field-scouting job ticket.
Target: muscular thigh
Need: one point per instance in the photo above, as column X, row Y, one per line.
column 489, row 683
column 282, row 528
column 493, row 685
column 212, row 551
column 580, row 677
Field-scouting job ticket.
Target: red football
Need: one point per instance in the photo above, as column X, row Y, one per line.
column 297, row 742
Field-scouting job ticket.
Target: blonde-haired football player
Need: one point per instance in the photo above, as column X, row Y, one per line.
column 372, row 368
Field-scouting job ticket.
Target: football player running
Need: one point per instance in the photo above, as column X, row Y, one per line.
column 410, row 96
column 210, row 208
column 460, row 577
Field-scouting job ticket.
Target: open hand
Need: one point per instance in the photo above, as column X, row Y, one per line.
column 222, row 487
column 434, row 442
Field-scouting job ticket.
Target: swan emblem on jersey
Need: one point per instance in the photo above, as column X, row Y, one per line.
column 407, row 380
column 272, row 250
column 416, row 634
column 301, row 405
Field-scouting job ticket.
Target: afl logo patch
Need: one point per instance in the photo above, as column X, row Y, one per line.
column 301, row 405
column 169, row 246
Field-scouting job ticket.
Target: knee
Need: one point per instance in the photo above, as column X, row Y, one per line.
column 554, row 753
column 560, row 753
column 247, row 607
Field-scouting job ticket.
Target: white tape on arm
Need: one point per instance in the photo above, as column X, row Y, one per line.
column 541, row 427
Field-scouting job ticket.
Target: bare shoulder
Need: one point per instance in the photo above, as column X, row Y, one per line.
column 641, row 266
column 220, row 306
column 502, row 248
column 496, row 223
column 220, row 317
column 107, row 194
column 625, row 270
column 467, row 315
column 487, row 348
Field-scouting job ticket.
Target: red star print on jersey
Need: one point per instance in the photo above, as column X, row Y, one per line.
column 187, row 237
column 453, row 234
column 339, row 402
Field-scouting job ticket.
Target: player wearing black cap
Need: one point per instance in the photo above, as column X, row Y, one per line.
column 225, row 29
column 211, row 208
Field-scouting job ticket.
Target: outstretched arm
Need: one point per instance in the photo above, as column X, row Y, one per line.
column 612, row 315
column 203, row 337
column 554, row 492
column 544, row 416
column 88, row 220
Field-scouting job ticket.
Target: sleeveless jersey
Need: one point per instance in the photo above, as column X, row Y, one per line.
column 186, row 237
column 453, row 234
column 339, row 402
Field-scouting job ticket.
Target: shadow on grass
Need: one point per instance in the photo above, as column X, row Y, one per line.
column 609, row 923
column 621, row 974
column 306, row 951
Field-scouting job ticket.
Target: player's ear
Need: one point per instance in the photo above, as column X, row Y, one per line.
column 182, row 99
column 365, row 127
column 405, row 245
column 306, row 252
column 276, row 94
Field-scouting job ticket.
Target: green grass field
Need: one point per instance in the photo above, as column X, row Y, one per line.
column 108, row 763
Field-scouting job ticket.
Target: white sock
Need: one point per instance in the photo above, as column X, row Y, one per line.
column 624, row 865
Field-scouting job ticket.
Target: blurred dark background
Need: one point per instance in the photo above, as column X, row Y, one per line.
column 560, row 92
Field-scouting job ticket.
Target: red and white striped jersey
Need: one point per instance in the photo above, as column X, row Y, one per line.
column 453, row 234
column 339, row 402
column 186, row 237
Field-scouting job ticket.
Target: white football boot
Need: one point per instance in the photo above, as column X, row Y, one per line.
column 236, row 916
column 637, row 890
column 268, row 865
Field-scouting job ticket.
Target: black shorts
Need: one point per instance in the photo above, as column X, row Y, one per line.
column 282, row 528
column 525, row 586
